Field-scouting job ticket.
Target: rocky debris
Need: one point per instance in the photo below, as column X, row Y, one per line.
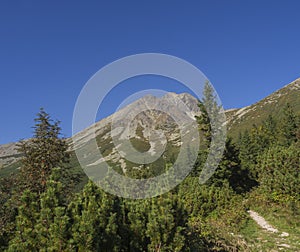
column 262, row 222
column 284, row 245
column 284, row 234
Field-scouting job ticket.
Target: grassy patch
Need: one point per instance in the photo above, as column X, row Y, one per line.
column 282, row 218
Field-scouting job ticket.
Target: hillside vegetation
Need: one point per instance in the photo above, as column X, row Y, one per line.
column 243, row 119
column 47, row 204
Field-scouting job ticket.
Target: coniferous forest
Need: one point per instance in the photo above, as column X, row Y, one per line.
column 47, row 207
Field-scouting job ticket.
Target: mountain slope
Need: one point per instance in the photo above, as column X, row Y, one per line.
column 8, row 154
column 150, row 125
column 241, row 119
column 147, row 129
column 139, row 131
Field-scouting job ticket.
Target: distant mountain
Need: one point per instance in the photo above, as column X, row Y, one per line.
column 171, row 103
column 149, row 130
column 139, row 132
column 149, row 124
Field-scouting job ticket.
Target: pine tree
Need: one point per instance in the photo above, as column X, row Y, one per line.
column 52, row 225
column 25, row 238
column 211, row 125
column 253, row 144
column 163, row 228
column 42, row 153
column 279, row 173
column 231, row 170
column 137, row 223
column 94, row 221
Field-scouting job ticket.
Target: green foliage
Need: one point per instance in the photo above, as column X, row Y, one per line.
column 52, row 224
column 209, row 124
column 279, row 173
column 163, row 228
column 94, row 226
column 42, row 153
column 259, row 112
column 41, row 223
column 7, row 212
column 25, row 238
column 289, row 125
column 229, row 170
column 210, row 114
column 213, row 212
column 192, row 217
column 137, row 219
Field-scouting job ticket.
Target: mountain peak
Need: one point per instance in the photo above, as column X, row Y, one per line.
column 171, row 104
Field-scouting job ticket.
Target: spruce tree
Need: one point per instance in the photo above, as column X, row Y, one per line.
column 231, row 170
column 247, row 153
column 44, row 151
column 204, row 125
column 212, row 133
column 40, row 154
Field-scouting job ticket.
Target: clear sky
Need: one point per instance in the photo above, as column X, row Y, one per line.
column 49, row 49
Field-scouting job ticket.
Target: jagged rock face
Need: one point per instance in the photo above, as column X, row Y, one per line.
column 150, row 124
column 148, row 112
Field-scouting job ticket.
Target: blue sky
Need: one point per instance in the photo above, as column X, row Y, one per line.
column 49, row 49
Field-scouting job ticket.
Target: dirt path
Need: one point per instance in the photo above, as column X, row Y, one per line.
column 280, row 241
column 262, row 222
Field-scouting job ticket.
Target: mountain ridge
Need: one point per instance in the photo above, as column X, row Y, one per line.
column 167, row 103
column 238, row 119
column 242, row 119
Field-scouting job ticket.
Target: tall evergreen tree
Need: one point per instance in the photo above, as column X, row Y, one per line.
column 210, row 123
column 254, row 143
column 42, row 153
